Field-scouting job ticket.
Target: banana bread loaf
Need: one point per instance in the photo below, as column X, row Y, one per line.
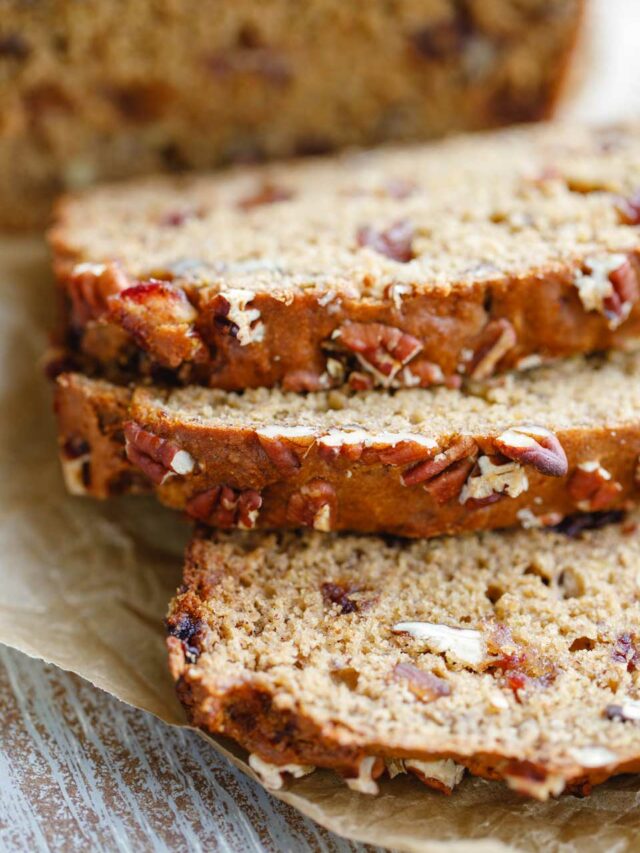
column 416, row 462
column 402, row 268
column 105, row 89
column 515, row 655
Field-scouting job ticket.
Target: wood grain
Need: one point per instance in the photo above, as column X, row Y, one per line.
column 81, row 771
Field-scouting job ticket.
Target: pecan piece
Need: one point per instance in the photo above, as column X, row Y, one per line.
column 345, row 444
column 276, row 443
column 267, row 193
column 444, row 475
column 359, row 381
column 628, row 711
column 629, row 209
column 609, row 284
column 300, row 381
column 535, row 446
column 160, row 319
column 381, row 350
column 492, row 479
column 495, row 341
column 425, row 685
column 90, row 287
column 222, row 506
column 233, row 316
column 592, row 488
column 395, row 242
column 313, row 506
column 156, row 457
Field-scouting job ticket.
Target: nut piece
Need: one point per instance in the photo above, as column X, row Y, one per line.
column 425, row 685
column 381, row 350
column 594, row 756
column 90, row 286
column 75, row 460
column 609, row 286
column 442, row 775
column 495, row 341
column 369, row 769
column 395, row 242
column 222, row 506
column 156, row 457
column 276, row 441
column 592, row 488
column 271, row 775
column 535, row 446
column 313, row 506
column 445, row 475
column 628, row 711
column 463, row 644
column 491, row 481
column 160, row 319
column 233, row 317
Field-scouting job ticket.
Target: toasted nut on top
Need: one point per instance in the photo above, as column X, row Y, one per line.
column 535, row 446
column 156, row 457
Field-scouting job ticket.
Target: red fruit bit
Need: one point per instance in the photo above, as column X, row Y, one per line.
column 625, row 651
column 394, row 242
column 335, row 593
column 268, row 193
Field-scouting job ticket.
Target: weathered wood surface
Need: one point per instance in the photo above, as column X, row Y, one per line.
column 79, row 770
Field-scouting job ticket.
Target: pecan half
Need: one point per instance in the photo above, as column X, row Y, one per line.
column 380, row 349
column 535, row 446
column 160, row 319
column 495, row 341
column 445, row 475
column 395, row 242
column 592, row 488
column 156, row 457
column 425, row 685
column 313, row 506
column 222, row 506
column 90, row 286
column 267, row 193
column 277, row 444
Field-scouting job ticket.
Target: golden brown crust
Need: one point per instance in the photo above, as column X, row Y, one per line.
column 238, row 477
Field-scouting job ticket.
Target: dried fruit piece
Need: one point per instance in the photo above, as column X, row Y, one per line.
column 233, row 316
column 156, row 457
column 609, row 284
column 160, row 319
column 492, row 479
column 337, row 593
column 535, row 446
column 313, row 506
column 463, row 644
column 592, row 488
column 267, row 193
column 222, row 506
column 425, row 685
column 381, row 350
column 395, row 242
column 189, row 630
column 90, row 286
column 495, row 341
column 574, row 525
column 626, row 651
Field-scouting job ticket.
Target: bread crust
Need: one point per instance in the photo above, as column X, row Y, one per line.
column 298, row 484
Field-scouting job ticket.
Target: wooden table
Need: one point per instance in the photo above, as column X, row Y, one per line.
column 80, row 770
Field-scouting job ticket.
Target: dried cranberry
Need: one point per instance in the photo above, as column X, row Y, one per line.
column 395, row 242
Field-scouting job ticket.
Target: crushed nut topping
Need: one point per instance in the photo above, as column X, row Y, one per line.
column 394, row 242
column 627, row 711
column 464, row 644
column 492, row 480
column 156, row 457
column 592, row 488
column 609, row 286
column 445, row 475
column 223, row 506
column 313, row 506
column 535, row 446
column 381, row 350
column 272, row 775
column 234, row 317
column 496, row 339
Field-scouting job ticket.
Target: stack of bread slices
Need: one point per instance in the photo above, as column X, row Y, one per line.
column 399, row 393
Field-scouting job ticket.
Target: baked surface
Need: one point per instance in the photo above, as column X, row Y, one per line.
column 396, row 268
column 104, row 89
column 527, row 669
column 513, row 450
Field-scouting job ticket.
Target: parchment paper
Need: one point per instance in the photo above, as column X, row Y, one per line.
column 86, row 585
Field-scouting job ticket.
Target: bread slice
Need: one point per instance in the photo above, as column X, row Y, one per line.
column 187, row 85
column 417, row 462
column 397, row 268
column 515, row 655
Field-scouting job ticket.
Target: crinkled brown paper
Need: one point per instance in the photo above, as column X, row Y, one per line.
column 85, row 585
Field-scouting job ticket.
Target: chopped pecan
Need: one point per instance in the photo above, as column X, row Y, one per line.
column 406, row 451
column 233, row 316
column 395, row 242
column 381, row 350
column 359, row 381
column 465, row 645
column 160, row 319
column 535, row 446
column 425, row 685
column 267, row 193
column 609, row 284
column 90, row 286
column 592, row 488
column 445, row 475
column 424, row 374
column 156, row 457
column 495, row 341
column 629, row 209
column 299, row 381
column 276, row 443
column 626, row 292
column 222, row 506
column 345, row 444
column 492, row 479
column 628, row 711
column 313, row 506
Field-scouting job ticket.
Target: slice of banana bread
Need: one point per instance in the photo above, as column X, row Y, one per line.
column 515, row 655
column 418, row 462
column 105, row 89
column 396, row 268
